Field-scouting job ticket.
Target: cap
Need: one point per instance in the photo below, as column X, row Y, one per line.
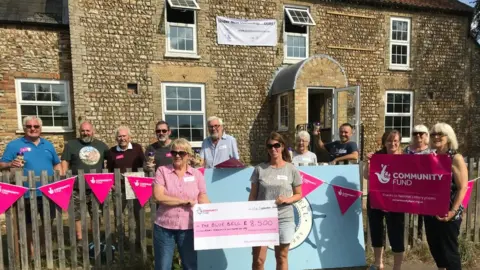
column 420, row 128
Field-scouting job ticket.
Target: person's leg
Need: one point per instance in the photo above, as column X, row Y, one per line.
column 435, row 233
column 136, row 212
column 281, row 256
column 452, row 255
column 396, row 231
column 259, row 254
column 28, row 221
column 164, row 245
column 78, row 223
column 375, row 223
column 188, row 255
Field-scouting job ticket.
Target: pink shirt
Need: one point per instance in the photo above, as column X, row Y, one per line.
column 187, row 188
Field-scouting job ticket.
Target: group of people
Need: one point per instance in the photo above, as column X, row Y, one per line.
column 442, row 231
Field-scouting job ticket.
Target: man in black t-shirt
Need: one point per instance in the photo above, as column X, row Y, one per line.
column 84, row 153
column 343, row 150
column 158, row 153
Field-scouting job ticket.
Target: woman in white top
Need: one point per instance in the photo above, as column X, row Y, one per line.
column 419, row 142
column 301, row 155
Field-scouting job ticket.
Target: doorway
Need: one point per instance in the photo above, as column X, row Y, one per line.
column 320, row 110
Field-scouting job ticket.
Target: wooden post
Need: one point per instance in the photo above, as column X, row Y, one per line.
column 143, row 233
column 47, row 225
column 108, row 229
column 10, row 231
column 34, row 224
column 477, row 206
column 72, row 231
column 415, row 230
column 407, row 230
column 153, row 216
column 118, row 215
column 131, row 225
column 24, row 250
column 96, row 228
column 469, row 211
column 60, row 238
column 83, row 218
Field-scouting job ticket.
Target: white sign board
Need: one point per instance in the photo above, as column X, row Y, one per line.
column 129, row 194
column 246, row 32
column 235, row 224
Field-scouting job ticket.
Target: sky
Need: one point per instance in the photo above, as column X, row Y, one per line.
column 468, row 2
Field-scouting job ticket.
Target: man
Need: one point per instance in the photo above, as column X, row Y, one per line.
column 219, row 147
column 340, row 151
column 126, row 155
column 84, row 153
column 158, row 153
column 32, row 153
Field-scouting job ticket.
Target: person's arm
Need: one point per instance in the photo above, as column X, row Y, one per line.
column 460, row 176
column 159, row 192
column 9, row 159
column 317, row 140
column 352, row 156
column 64, row 164
column 297, row 189
column 235, row 149
column 202, row 155
column 109, row 161
column 59, row 167
column 202, row 187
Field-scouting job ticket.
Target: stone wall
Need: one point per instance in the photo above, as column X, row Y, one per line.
column 30, row 52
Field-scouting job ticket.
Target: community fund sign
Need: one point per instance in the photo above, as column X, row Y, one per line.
column 416, row 184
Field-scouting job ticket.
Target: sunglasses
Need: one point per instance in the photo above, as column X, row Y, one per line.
column 275, row 145
column 181, row 153
column 34, row 126
column 161, row 130
column 214, row 127
column 439, row 134
column 418, row 133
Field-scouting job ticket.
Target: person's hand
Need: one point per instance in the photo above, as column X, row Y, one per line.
column 448, row 217
column 369, row 155
column 16, row 164
column 316, row 132
column 150, row 166
column 333, row 162
column 190, row 203
column 281, row 200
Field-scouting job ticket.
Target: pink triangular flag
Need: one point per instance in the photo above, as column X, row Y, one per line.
column 466, row 199
column 10, row 194
column 309, row 183
column 345, row 197
column 202, row 170
column 100, row 183
column 230, row 163
column 59, row 192
column 142, row 186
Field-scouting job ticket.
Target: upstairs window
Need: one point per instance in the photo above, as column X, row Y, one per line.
column 295, row 33
column 399, row 113
column 399, row 43
column 181, row 28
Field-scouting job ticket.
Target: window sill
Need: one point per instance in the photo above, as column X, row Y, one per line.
column 399, row 68
column 292, row 60
column 182, row 55
column 196, row 144
column 47, row 130
column 282, row 129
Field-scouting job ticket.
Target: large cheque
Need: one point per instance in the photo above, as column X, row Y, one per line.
column 235, row 224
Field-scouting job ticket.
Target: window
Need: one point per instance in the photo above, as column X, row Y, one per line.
column 181, row 28
column 399, row 113
column 46, row 99
column 399, row 43
column 184, row 110
column 283, row 112
column 295, row 33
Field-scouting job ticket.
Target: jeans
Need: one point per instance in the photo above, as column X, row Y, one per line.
column 164, row 241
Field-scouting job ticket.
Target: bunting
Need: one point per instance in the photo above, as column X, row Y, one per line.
column 10, row 194
column 59, row 192
column 142, row 186
column 100, row 183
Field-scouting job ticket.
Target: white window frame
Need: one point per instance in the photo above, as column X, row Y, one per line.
column 400, row 42
column 19, row 101
column 293, row 60
column 202, row 112
column 179, row 53
column 279, row 110
column 182, row 7
column 404, row 139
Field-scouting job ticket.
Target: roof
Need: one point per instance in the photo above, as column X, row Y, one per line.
column 451, row 6
column 32, row 11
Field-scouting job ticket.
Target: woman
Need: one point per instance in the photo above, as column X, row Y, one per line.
column 301, row 153
column 277, row 180
column 419, row 142
column 395, row 221
column 177, row 188
column 442, row 232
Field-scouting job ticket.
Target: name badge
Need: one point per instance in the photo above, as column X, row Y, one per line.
column 282, row 177
column 189, row 179
column 222, row 147
column 306, row 159
column 120, row 156
column 168, row 154
column 342, row 151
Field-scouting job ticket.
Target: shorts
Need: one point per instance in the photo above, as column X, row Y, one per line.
column 286, row 230
column 28, row 212
column 88, row 201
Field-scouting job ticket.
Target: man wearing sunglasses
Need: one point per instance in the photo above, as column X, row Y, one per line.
column 158, row 153
column 343, row 150
column 219, row 147
column 32, row 153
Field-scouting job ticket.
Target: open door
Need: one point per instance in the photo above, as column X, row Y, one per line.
column 346, row 109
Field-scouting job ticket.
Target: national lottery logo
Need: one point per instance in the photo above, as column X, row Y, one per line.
column 201, row 211
column 99, row 181
column 7, row 191
column 344, row 194
column 383, row 176
column 57, row 190
column 142, row 185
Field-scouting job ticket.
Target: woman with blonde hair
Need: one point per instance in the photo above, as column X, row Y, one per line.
column 177, row 188
column 442, row 232
column 419, row 142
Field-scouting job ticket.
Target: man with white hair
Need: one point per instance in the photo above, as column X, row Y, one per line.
column 219, row 146
column 125, row 154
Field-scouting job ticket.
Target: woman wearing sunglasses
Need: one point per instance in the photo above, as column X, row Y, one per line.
column 177, row 188
column 279, row 180
column 442, row 232
column 419, row 142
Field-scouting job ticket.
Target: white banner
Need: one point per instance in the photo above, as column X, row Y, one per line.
column 129, row 194
column 235, row 224
column 246, row 32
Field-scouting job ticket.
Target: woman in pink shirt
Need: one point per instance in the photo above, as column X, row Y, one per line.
column 177, row 188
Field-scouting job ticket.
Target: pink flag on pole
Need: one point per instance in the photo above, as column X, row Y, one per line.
column 142, row 186
column 230, row 163
column 466, row 199
column 59, row 192
column 9, row 195
column 345, row 197
column 309, row 183
column 100, row 183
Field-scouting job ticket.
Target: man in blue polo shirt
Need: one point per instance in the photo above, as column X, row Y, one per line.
column 31, row 153
column 219, row 147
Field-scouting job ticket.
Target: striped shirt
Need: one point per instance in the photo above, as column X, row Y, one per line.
column 189, row 187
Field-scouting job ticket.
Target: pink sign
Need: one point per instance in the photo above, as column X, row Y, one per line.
column 309, row 183
column 100, row 183
column 202, row 170
column 466, row 199
column 415, row 184
column 345, row 197
column 230, row 163
column 236, row 227
column 10, row 194
column 59, row 192
column 142, row 186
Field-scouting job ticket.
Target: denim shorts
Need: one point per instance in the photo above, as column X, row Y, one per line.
column 286, row 230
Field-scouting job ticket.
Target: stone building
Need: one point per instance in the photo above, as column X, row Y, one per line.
column 133, row 62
